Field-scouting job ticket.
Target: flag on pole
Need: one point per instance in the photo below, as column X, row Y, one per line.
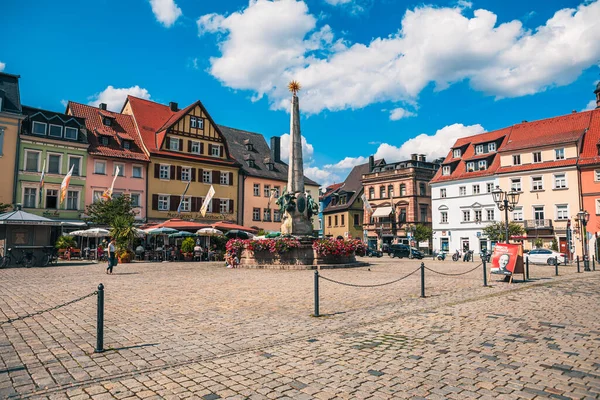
column 64, row 186
column 107, row 195
column 364, row 199
column 183, row 196
column 207, row 200
column 42, row 182
column 43, row 175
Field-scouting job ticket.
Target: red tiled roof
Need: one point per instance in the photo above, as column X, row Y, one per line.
column 227, row 226
column 180, row 224
column 563, row 129
column 176, row 116
column 589, row 152
column 544, row 165
column 460, row 171
column 121, row 128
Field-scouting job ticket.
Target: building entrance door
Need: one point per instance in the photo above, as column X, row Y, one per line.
column 563, row 247
column 465, row 244
column 483, row 247
column 445, row 245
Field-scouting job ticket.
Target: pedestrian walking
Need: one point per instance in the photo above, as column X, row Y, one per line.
column 112, row 256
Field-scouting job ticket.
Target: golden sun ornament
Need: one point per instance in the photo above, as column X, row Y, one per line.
column 294, row 86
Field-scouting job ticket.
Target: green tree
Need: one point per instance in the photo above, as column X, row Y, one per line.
column 65, row 241
column 496, row 231
column 104, row 212
column 4, row 207
column 554, row 245
column 122, row 230
column 423, row 233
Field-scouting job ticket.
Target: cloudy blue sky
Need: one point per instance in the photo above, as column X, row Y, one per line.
column 384, row 77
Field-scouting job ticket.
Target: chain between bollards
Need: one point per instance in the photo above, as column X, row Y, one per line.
column 556, row 266
column 578, row 270
column 484, row 273
column 100, row 321
column 316, row 314
column 422, row 279
column 527, row 269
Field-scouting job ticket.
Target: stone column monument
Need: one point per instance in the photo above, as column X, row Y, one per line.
column 297, row 207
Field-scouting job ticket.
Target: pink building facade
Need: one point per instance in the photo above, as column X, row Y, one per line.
column 115, row 150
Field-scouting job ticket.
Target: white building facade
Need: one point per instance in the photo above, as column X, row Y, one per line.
column 460, row 211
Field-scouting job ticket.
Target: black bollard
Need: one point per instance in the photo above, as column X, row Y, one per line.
column 484, row 273
column 100, row 321
column 316, row 314
column 422, row 279
column 556, row 266
column 527, row 269
column 577, row 264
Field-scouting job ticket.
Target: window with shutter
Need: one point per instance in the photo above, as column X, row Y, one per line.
column 155, row 201
column 216, row 204
column 193, row 174
column 189, row 146
column 231, row 206
column 173, row 171
column 216, row 176
column 178, row 173
column 201, row 148
column 221, row 152
column 174, row 203
column 231, row 179
column 156, row 170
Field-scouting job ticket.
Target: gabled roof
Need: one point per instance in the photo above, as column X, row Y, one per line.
column 121, row 128
column 9, row 91
column 460, row 170
column 550, row 131
column 353, row 185
column 237, row 139
column 591, row 141
column 154, row 119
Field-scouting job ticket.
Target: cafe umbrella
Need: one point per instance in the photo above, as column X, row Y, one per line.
column 209, row 232
column 161, row 232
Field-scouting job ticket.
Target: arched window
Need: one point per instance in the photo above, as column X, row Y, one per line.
column 371, row 193
column 382, row 192
column 391, row 190
column 403, row 190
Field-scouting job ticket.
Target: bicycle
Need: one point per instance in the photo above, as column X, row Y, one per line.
column 50, row 257
column 27, row 259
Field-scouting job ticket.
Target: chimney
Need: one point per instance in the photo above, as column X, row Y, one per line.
column 422, row 157
column 102, row 106
column 275, row 149
column 413, row 157
column 173, row 106
column 371, row 163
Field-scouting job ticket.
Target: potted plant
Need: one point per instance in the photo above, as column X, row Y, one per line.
column 125, row 255
column 187, row 248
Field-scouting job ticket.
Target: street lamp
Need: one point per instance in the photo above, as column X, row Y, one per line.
column 505, row 201
column 584, row 217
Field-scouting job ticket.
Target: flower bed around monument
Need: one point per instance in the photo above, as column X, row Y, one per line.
column 339, row 247
column 273, row 246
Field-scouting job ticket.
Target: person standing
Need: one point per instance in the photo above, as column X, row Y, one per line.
column 112, row 256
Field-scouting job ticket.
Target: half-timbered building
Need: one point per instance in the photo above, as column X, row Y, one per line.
column 185, row 145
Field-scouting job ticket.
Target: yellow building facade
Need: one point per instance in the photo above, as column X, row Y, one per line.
column 185, row 146
column 10, row 126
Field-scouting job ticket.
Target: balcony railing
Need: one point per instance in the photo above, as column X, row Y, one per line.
column 538, row 224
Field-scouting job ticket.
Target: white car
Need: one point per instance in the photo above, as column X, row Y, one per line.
column 544, row 256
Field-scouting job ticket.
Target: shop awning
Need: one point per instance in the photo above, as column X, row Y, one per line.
column 382, row 212
column 19, row 217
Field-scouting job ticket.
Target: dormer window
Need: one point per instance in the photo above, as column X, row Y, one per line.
column 492, row 146
column 470, row 166
column 446, row 170
column 456, row 153
column 270, row 166
column 479, row 149
column 107, row 121
column 126, row 145
column 251, row 163
column 104, row 140
column 482, row 164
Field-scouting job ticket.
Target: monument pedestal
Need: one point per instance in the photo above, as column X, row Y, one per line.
column 303, row 257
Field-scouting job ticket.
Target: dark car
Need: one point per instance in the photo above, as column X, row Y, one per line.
column 399, row 250
column 374, row 253
column 418, row 254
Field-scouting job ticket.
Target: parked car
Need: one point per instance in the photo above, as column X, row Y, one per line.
column 416, row 253
column 374, row 253
column 544, row 256
column 399, row 250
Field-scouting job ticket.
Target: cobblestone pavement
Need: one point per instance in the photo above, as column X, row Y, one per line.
column 198, row 330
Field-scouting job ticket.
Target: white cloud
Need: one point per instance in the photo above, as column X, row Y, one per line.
column 307, row 149
column 2, row 66
column 165, row 11
column 399, row 113
column 115, row 97
column 337, row 2
column 464, row 4
column 354, row 6
column 347, row 163
column 269, row 43
column 590, row 106
column 323, row 177
column 433, row 146
column 64, row 102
